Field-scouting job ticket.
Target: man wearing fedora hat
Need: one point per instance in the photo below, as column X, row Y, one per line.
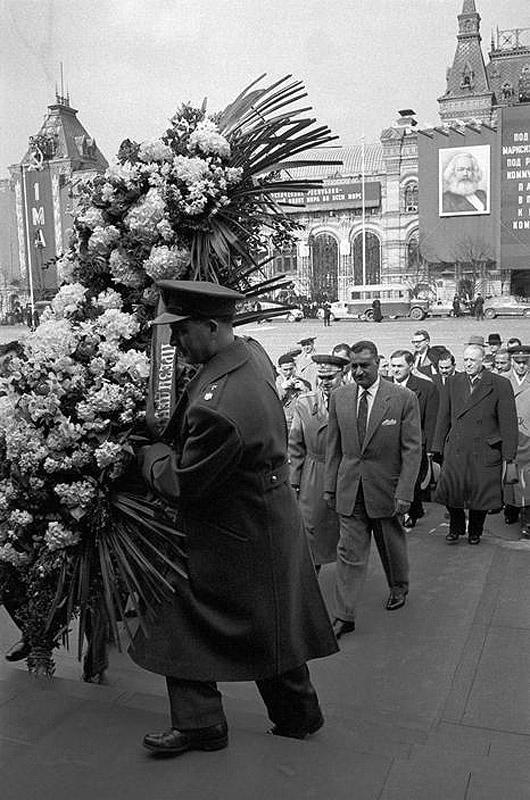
column 249, row 607
column 477, row 433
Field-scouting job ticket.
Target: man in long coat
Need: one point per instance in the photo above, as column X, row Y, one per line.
column 307, row 455
column 401, row 366
column 476, row 432
column 517, row 495
column 373, row 457
column 251, row 608
column 305, row 366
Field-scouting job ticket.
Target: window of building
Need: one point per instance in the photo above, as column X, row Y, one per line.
column 370, row 272
column 411, row 197
column 285, row 260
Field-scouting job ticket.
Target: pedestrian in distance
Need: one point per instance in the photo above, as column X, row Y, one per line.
column 456, row 306
column 326, row 308
column 373, row 457
column 476, row 432
column 250, row 608
column 478, row 307
column 377, row 312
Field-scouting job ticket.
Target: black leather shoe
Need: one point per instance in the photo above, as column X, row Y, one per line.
column 175, row 742
column 298, row 733
column 342, row 626
column 473, row 538
column 396, row 600
column 408, row 521
column 19, row 651
column 452, row 538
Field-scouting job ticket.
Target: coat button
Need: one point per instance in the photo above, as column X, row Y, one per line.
column 274, row 478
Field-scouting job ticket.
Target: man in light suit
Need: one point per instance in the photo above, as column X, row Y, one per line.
column 373, row 457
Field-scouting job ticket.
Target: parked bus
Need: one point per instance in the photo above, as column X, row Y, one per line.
column 395, row 298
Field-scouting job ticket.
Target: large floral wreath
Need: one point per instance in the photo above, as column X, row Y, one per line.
column 197, row 203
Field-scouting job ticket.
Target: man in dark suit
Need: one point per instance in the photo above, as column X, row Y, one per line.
column 424, row 358
column 373, row 456
column 446, row 368
column 401, row 364
column 251, row 608
column 477, row 433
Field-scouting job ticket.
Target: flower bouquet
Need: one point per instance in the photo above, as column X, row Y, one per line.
column 77, row 538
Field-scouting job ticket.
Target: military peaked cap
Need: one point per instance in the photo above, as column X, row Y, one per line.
column 195, row 299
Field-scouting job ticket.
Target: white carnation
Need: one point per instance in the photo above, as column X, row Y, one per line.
column 207, row 139
column 155, row 150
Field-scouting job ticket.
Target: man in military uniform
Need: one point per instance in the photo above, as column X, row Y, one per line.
column 307, row 456
column 305, row 366
column 251, row 608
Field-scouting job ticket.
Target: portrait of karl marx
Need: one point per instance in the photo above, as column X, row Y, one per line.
column 461, row 176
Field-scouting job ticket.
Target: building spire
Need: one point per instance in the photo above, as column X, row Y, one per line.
column 62, row 98
column 468, row 94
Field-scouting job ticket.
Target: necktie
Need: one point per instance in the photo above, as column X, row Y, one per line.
column 362, row 416
column 473, row 385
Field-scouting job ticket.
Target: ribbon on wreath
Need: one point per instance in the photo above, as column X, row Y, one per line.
column 165, row 370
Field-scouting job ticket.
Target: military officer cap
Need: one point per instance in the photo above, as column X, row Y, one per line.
column 195, row 299
column 522, row 350
column 307, row 340
column 287, row 358
column 329, row 365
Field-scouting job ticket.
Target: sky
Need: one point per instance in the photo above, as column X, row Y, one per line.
column 130, row 63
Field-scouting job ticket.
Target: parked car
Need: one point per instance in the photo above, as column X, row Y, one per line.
column 394, row 297
column 290, row 315
column 444, row 308
column 506, row 305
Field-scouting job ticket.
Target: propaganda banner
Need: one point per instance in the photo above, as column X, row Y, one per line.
column 515, row 187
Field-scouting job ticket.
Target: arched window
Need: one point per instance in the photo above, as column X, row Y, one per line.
column 372, row 269
column 411, row 197
column 324, row 250
column 285, row 260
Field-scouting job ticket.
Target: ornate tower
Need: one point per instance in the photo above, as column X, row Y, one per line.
column 468, row 95
column 60, row 152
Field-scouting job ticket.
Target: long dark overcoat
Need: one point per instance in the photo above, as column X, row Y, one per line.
column 252, row 607
column 475, row 432
column 307, row 456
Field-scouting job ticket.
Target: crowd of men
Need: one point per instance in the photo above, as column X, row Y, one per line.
column 261, row 514
column 374, row 437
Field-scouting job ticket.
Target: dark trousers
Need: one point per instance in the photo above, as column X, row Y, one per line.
column 353, row 551
column 290, row 699
column 457, row 521
column 416, row 507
